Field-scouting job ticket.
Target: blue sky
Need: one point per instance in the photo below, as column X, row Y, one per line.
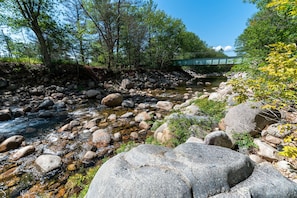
column 217, row 22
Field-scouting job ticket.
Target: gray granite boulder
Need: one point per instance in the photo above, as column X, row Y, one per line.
column 189, row 170
column 248, row 117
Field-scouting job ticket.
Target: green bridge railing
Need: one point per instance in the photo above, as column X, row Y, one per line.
column 209, row 61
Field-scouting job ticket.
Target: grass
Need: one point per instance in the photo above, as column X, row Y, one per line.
column 78, row 184
column 213, row 109
column 180, row 127
column 25, row 60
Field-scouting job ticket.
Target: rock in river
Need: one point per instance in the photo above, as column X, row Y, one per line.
column 12, row 142
column 48, row 163
column 112, row 100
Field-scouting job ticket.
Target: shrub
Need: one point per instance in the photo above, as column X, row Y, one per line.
column 179, row 126
column 244, row 140
column 213, row 109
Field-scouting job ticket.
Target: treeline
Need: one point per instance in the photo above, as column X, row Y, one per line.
column 268, row 26
column 112, row 33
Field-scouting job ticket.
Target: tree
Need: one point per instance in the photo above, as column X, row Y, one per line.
column 38, row 16
column 265, row 28
column 7, row 43
column 77, row 30
column 104, row 15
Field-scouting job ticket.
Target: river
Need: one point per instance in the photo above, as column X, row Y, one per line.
column 21, row 177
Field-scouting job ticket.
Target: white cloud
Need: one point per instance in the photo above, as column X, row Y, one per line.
column 227, row 48
column 217, row 48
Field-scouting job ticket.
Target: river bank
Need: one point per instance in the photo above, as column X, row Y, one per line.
column 53, row 126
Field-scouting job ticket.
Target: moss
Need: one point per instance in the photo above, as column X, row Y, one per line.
column 78, row 184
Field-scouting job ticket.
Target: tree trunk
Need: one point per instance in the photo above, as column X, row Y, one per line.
column 43, row 46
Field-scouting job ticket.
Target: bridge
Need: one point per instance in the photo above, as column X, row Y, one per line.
column 209, row 61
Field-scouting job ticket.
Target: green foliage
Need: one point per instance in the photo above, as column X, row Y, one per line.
column 157, row 124
column 78, row 184
column 152, row 140
column 284, row 6
column 125, row 147
column 214, row 109
column 275, row 81
column 113, row 34
column 20, row 60
column 179, row 126
column 265, row 28
column 244, row 140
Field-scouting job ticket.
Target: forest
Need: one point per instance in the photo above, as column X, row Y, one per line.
column 109, row 33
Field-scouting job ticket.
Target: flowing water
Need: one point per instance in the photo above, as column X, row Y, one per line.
column 43, row 134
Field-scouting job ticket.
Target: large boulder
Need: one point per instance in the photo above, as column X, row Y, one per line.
column 189, row 170
column 249, row 118
column 112, row 100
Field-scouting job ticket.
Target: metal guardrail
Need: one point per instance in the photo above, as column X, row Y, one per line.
column 209, row 61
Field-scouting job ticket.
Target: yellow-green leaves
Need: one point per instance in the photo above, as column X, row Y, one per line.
column 284, row 6
column 276, row 81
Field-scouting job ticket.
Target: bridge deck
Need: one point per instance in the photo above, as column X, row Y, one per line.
column 209, row 61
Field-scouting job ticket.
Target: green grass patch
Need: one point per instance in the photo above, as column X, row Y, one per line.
column 180, row 125
column 25, row 60
column 214, row 109
column 126, row 147
column 78, row 184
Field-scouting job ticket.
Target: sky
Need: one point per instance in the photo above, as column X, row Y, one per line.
column 217, row 22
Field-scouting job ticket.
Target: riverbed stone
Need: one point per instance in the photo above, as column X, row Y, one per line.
column 3, row 83
column 92, row 93
column 279, row 130
column 265, row 150
column 101, row 138
column 144, row 125
column 164, row 105
column 143, row 116
column 47, row 162
column 46, row 114
column 10, row 143
column 189, row 170
column 112, row 100
column 22, row 152
column 89, row 155
column 127, row 84
column 46, row 104
column 218, row 138
column 128, row 104
column 5, row 115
